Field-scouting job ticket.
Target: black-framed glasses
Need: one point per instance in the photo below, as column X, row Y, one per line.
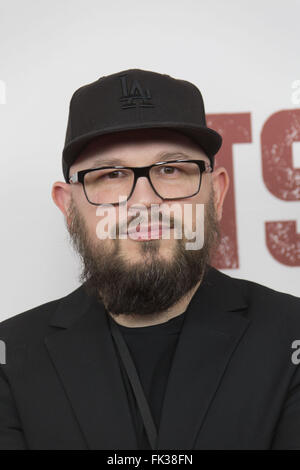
column 174, row 179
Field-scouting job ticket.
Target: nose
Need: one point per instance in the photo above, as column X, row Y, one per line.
column 143, row 193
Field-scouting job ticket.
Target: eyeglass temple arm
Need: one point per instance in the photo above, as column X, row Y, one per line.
column 208, row 167
column 73, row 178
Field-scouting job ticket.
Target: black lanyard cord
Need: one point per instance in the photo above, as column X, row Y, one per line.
column 135, row 383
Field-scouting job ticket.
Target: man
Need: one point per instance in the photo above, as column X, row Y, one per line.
column 156, row 349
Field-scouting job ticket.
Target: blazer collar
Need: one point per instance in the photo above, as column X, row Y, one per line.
column 84, row 356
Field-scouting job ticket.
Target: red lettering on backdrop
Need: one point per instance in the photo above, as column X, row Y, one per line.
column 234, row 128
column 282, row 180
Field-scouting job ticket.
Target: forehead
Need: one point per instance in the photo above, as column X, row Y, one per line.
column 137, row 147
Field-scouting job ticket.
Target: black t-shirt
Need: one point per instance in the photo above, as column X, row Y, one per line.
column 152, row 349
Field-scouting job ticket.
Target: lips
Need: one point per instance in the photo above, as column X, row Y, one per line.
column 147, row 232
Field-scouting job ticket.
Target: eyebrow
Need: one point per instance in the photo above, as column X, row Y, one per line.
column 165, row 156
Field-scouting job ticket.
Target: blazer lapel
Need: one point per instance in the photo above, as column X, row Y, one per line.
column 83, row 354
column 212, row 328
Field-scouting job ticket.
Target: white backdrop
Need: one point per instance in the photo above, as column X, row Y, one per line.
column 242, row 55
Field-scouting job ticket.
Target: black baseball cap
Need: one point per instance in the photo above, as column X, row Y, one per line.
column 136, row 99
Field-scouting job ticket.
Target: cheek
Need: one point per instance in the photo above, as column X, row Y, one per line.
column 194, row 215
column 89, row 216
column 193, row 208
column 104, row 223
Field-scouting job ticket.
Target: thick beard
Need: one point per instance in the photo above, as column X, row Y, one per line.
column 148, row 287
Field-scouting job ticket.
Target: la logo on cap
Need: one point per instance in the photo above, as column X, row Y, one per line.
column 136, row 96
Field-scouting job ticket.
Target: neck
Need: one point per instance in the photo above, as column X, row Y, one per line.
column 136, row 320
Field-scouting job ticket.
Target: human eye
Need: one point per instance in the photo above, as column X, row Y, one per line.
column 115, row 174
column 169, row 170
column 111, row 173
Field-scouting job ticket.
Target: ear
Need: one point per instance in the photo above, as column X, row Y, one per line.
column 220, row 183
column 61, row 195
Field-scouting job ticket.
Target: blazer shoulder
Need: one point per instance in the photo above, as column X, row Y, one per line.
column 270, row 301
column 261, row 290
column 31, row 322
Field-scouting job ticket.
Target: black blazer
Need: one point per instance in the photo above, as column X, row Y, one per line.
column 232, row 384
